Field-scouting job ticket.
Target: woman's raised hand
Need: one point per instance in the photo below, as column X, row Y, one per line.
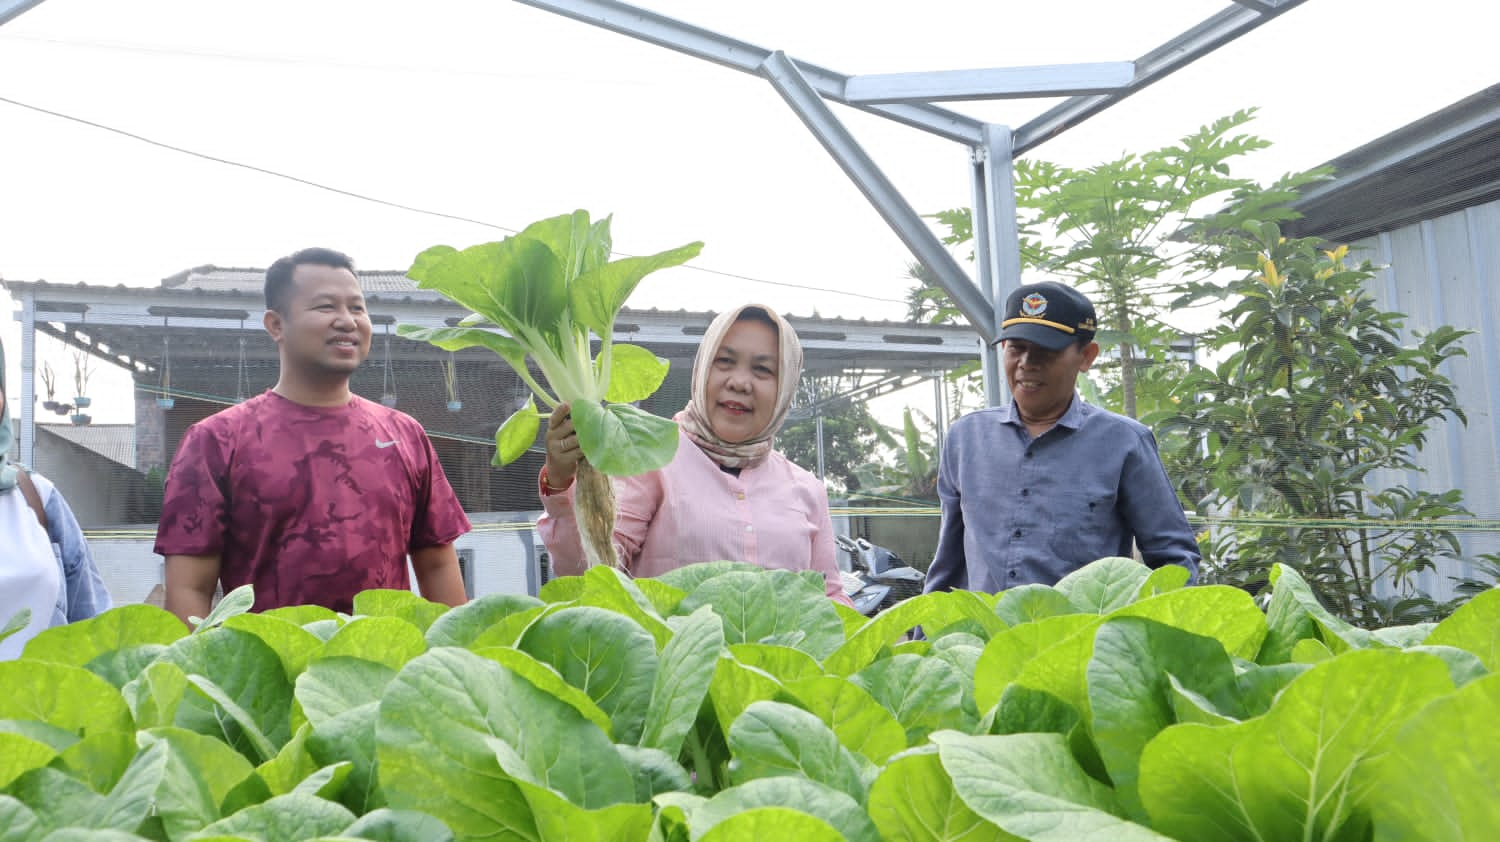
column 563, row 452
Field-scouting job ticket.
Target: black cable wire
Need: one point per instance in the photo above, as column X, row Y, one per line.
column 399, row 206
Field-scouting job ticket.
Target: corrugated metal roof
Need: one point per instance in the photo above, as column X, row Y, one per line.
column 1444, row 162
column 115, row 442
column 252, row 281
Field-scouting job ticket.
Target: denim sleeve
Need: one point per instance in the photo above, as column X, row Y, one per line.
column 86, row 595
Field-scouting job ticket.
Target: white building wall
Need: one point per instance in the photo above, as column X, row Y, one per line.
column 501, row 547
column 1445, row 271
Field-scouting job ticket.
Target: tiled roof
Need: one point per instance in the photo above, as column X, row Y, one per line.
column 115, row 442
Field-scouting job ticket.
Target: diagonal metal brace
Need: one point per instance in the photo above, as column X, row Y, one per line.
column 788, row 81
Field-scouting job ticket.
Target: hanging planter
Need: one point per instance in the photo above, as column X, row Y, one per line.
column 49, row 382
column 450, row 379
column 388, row 378
column 164, row 398
column 241, row 381
column 81, row 373
column 80, row 419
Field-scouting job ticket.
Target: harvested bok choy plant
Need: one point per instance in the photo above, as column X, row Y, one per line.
column 553, row 291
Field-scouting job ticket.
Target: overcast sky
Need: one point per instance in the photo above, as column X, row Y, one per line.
column 504, row 114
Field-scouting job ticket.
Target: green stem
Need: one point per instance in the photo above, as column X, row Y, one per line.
column 703, row 767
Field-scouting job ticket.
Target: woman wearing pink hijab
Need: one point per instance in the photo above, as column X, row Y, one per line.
column 727, row 494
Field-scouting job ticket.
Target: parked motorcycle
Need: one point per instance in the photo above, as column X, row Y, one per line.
column 877, row 578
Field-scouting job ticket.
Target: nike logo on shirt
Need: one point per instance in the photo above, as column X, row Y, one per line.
column 384, row 444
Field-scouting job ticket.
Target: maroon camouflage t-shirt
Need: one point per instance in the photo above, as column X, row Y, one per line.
column 311, row 505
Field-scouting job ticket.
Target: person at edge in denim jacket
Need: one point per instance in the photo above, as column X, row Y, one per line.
column 727, row 494
column 46, row 570
column 1039, row 487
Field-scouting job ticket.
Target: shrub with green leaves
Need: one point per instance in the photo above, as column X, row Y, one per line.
column 724, row 701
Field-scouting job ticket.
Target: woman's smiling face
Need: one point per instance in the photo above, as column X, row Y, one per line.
column 743, row 380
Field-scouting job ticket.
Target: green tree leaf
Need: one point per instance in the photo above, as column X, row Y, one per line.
column 155, row 694
column 771, row 739
column 384, row 640
column 604, row 654
column 683, row 676
column 596, row 296
column 1475, row 626
column 1030, row 603
column 78, row 643
column 249, row 675
column 864, row 645
column 335, row 685
column 925, row 694
column 1007, row 655
column 548, row 680
column 772, row 823
column 20, row 754
column 688, row 577
column 386, row 825
column 68, row 697
column 913, row 800
column 403, row 605
column 832, row 808
column 1130, row 685
column 861, row 723
column 634, row 373
column 654, row 772
column 1030, row 785
column 294, row 645
column 1105, row 585
column 1435, row 783
column 461, row 626
column 1289, row 774
column 517, row 434
column 201, row 772
column 1225, row 614
column 294, row 816
column 620, row 440
column 758, row 605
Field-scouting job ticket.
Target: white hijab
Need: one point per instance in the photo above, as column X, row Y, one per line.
column 693, row 418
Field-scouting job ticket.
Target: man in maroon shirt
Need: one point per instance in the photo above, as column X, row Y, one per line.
column 309, row 492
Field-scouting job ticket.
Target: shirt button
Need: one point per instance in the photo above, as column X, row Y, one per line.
column 1028, row 454
column 1025, row 492
column 1012, row 574
column 749, row 528
column 1016, row 534
column 739, row 495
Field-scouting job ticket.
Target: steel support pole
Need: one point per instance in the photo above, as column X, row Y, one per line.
column 822, row 472
column 28, row 377
column 784, row 76
column 12, row 9
column 997, row 244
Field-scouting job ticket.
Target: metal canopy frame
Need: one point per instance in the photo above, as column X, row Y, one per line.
column 905, row 98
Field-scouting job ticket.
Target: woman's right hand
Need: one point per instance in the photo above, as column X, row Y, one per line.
column 563, row 452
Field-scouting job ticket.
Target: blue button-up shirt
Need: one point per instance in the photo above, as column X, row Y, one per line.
column 1020, row 510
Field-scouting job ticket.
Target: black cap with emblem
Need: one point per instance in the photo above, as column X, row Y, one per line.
column 1051, row 314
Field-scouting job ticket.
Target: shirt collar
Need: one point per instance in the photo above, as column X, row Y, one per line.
column 1072, row 417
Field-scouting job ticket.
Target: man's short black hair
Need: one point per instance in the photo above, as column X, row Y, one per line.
column 279, row 276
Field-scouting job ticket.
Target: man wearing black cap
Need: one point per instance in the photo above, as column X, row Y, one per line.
column 1039, row 487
